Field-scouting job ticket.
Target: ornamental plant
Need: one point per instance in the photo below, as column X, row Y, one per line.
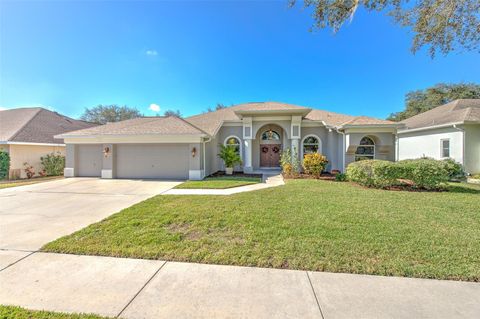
column 53, row 164
column 4, row 164
column 230, row 156
column 314, row 164
column 29, row 170
column 289, row 162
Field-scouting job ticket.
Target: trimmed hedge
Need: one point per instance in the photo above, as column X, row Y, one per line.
column 4, row 164
column 425, row 173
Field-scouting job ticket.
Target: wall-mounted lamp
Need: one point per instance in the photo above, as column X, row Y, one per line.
column 106, row 151
column 194, row 151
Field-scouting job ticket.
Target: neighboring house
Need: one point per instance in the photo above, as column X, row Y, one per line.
column 174, row 148
column 449, row 131
column 28, row 134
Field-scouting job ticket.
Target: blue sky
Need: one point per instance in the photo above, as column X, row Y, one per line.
column 191, row 55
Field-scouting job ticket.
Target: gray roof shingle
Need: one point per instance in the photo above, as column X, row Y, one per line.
column 458, row 111
column 36, row 125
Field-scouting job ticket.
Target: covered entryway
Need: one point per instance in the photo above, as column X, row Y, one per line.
column 159, row 161
column 270, row 138
column 89, row 160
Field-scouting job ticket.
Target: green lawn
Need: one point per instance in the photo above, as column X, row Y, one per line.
column 220, row 182
column 21, row 182
column 10, row 312
column 305, row 224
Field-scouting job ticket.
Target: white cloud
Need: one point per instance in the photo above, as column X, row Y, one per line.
column 154, row 107
column 151, row 52
column 3, row 108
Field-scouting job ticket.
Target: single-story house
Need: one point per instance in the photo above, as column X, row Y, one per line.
column 176, row 148
column 28, row 134
column 451, row 130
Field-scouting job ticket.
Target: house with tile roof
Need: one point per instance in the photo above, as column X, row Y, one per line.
column 28, row 134
column 451, row 130
column 175, row 148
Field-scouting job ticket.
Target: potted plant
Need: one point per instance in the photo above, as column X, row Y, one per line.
column 231, row 158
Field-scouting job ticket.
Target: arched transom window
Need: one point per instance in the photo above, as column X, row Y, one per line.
column 233, row 141
column 311, row 144
column 270, row 135
column 366, row 149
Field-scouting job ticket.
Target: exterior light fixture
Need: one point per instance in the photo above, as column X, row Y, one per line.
column 106, row 151
column 194, row 151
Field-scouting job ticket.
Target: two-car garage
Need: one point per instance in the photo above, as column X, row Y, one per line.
column 150, row 147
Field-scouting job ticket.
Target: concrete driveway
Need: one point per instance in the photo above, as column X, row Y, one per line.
column 33, row 215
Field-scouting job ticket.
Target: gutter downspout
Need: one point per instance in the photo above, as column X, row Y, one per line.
column 463, row 143
column 343, row 149
column 204, row 156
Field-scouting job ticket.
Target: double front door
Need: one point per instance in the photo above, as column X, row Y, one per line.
column 270, row 155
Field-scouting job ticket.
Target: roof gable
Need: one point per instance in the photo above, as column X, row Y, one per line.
column 458, row 111
column 36, row 125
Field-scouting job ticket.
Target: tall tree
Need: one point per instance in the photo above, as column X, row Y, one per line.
column 172, row 113
column 219, row 106
column 423, row 100
column 102, row 114
column 440, row 25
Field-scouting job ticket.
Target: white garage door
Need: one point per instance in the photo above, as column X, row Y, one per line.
column 165, row 161
column 89, row 160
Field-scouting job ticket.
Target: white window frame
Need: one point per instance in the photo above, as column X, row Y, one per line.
column 442, row 148
column 239, row 141
column 319, row 150
column 373, row 146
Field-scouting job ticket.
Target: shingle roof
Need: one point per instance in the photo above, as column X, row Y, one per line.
column 458, row 111
column 36, row 125
column 170, row 125
column 211, row 122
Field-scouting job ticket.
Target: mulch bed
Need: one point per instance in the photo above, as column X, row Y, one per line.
column 323, row 176
column 235, row 174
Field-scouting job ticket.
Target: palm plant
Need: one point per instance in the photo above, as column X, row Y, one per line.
column 230, row 156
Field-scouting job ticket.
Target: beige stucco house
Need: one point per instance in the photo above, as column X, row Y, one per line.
column 28, row 134
column 175, row 148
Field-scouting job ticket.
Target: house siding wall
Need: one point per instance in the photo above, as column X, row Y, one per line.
column 30, row 154
column 472, row 148
column 427, row 143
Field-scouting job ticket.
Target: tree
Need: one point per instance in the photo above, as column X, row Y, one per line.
column 102, row 114
column 172, row 113
column 440, row 25
column 420, row 101
column 219, row 106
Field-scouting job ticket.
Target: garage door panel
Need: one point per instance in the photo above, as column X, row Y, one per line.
column 165, row 161
column 89, row 160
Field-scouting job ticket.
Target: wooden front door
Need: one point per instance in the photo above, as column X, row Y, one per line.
column 270, row 155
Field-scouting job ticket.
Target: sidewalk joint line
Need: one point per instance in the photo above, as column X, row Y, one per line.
column 138, row 292
column 33, row 252
column 315, row 295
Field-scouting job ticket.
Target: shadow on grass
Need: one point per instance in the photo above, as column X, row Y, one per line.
column 463, row 188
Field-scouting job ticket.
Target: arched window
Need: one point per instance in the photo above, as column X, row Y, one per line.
column 311, row 144
column 366, row 149
column 233, row 141
column 270, row 136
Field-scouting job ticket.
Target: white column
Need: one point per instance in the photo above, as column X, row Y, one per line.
column 247, row 161
column 295, row 146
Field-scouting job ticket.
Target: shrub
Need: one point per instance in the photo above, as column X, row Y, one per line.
column 314, row 164
column 29, row 170
column 476, row 176
column 53, row 164
column 424, row 172
column 229, row 155
column 340, row 177
column 4, row 164
column 455, row 170
column 373, row 173
column 289, row 162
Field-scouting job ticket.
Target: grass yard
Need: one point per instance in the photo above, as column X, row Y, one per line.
column 220, row 182
column 21, row 182
column 10, row 312
column 305, row 224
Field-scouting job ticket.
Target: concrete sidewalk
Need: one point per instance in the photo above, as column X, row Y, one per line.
column 135, row 288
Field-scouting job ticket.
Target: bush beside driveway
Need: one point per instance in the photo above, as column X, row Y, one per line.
column 306, row 224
